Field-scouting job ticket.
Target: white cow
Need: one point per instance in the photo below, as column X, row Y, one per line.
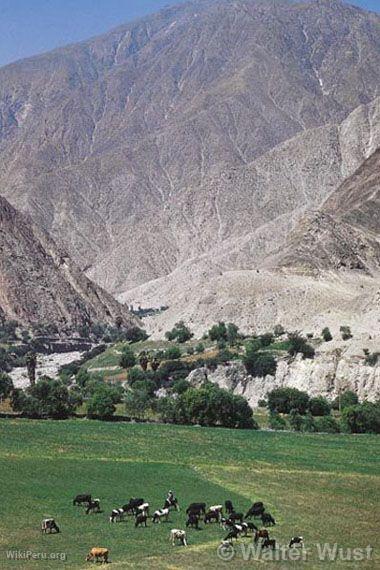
column 178, row 535
column 49, row 525
column 117, row 515
column 143, row 509
column 217, row 509
column 160, row 514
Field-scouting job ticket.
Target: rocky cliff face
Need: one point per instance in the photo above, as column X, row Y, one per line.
column 331, row 372
column 39, row 284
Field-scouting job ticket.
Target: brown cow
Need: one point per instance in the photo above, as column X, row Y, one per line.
column 261, row 534
column 98, row 554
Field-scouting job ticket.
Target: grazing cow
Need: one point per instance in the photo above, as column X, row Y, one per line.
column 133, row 505
column 117, row 515
column 192, row 521
column 93, row 506
column 255, row 511
column 248, row 526
column 178, row 535
column 229, row 507
column 267, row 519
column 236, row 517
column 141, row 519
column 144, row 509
column 296, row 541
column 264, row 534
column 212, row 516
column 80, row 499
column 216, row 509
column 98, row 555
column 49, row 525
column 269, row 543
column 196, row 508
column 233, row 534
column 171, row 504
column 160, row 514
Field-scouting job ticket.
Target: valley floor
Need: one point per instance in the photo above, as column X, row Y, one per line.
column 323, row 487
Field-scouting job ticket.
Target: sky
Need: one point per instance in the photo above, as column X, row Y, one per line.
column 29, row 27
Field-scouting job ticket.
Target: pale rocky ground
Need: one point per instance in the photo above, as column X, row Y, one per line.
column 337, row 367
column 47, row 365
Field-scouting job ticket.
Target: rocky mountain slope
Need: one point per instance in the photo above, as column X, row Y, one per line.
column 39, row 284
column 208, row 126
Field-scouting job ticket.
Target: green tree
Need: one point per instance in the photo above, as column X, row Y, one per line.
column 362, row 418
column 200, row 348
column 137, row 403
column 295, row 420
column 326, row 424
column 345, row 400
column 218, row 332
column 278, row 330
column 232, row 334
column 6, row 385
column 47, row 398
column 180, row 332
column 266, row 339
column 319, row 406
column 276, row 421
column 257, row 363
column 299, row 345
column 128, row 358
column 173, row 353
column 326, row 334
column 284, row 400
column 103, row 400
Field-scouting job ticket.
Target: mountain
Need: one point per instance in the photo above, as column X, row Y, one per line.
column 344, row 234
column 41, row 285
column 202, row 132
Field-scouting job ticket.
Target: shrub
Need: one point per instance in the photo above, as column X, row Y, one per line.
column 128, row 358
column 362, row 418
column 101, row 404
column 299, row 345
column 308, row 423
column 295, row 420
column 180, row 332
column 173, row 353
column 326, row 424
column 190, row 350
column 218, row 332
column 180, row 386
column 345, row 332
column 135, row 334
column 266, row 339
column 232, row 334
column 48, row 398
column 258, row 363
column 200, row 348
column 276, row 421
column 326, row 334
column 278, row 330
column 319, row 406
column 6, row 385
column 347, row 399
column 372, row 359
column 284, row 400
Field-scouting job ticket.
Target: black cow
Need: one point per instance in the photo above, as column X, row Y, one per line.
column 234, row 533
column 229, row 507
column 255, row 511
column 236, row 517
column 80, row 499
column 141, row 519
column 196, row 508
column 171, row 504
column 133, row 505
column 264, row 534
column 267, row 519
column 192, row 521
column 248, row 526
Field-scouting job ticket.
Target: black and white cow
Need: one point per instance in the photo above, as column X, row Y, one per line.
column 199, row 508
column 177, row 535
column 143, row 509
column 93, row 506
column 236, row 517
column 171, row 503
column 117, row 515
column 160, row 514
column 133, row 505
column 212, row 516
column 49, row 525
column 192, row 521
column 296, row 541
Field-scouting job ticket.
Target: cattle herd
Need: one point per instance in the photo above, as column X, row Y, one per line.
column 235, row 524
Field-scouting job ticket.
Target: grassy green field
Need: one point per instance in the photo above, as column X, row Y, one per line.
column 324, row 487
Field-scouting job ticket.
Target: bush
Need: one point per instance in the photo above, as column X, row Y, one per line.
column 326, row 334
column 345, row 332
column 347, row 399
column 258, row 363
column 6, row 385
column 180, row 332
column 319, row 406
column 372, row 359
column 173, row 353
column 266, row 339
column 276, row 421
column 232, row 334
column 262, row 403
column 200, row 348
column 180, row 386
column 308, row 423
column 190, row 350
column 103, row 400
column 326, row 424
column 218, row 332
column 48, row 398
column 278, row 330
column 284, row 400
column 362, row 418
column 135, row 334
column 299, row 345
column 128, row 358
column 295, row 420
